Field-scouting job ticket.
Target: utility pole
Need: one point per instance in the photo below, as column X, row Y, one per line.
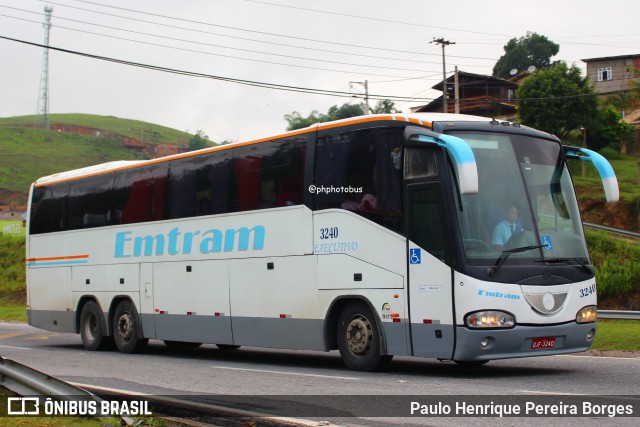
column 367, row 108
column 42, row 109
column 443, row 43
column 456, row 91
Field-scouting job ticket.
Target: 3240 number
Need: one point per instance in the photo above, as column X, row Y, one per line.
column 329, row 233
column 585, row 292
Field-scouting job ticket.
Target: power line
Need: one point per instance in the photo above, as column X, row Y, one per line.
column 390, row 21
column 209, row 24
column 213, row 77
column 306, row 48
column 216, row 54
column 276, row 86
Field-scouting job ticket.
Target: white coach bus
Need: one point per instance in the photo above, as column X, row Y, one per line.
column 376, row 236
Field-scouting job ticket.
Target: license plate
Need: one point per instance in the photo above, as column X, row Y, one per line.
column 540, row 343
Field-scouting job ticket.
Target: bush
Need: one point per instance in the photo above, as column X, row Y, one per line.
column 615, row 260
column 12, row 268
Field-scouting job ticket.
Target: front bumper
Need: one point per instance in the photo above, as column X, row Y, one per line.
column 517, row 342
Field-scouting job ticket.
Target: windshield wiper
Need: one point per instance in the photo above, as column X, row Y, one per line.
column 583, row 265
column 505, row 254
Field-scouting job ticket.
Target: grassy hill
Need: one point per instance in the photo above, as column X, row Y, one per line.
column 28, row 153
column 149, row 132
column 626, row 213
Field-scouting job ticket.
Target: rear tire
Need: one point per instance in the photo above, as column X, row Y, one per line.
column 125, row 329
column 359, row 339
column 92, row 328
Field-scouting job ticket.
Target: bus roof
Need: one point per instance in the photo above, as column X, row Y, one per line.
column 424, row 119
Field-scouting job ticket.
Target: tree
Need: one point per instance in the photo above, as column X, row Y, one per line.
column 608, row 130
column 296, row 121
column 385, row 107
column 199, row 141
column 557, row 100
column 532, row 49
column 344, row 111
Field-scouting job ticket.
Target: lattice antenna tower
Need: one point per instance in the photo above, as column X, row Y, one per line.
column 42, row 113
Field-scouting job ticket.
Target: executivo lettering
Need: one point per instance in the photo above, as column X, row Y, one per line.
column 176, row 242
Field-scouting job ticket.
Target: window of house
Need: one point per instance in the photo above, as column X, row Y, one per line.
column 604, row 74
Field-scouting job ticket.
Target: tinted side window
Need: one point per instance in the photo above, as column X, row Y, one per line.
column 361, row 171
column 427, row 229
column 198, row 185
column 90, row 202
column 139, row 194
column 49, row 209
column 268, row 174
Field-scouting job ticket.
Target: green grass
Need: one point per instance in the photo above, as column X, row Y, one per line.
column 28, row 153
column 12, row 269
column 31, row 153
column 13, row 311
column 616, row 262
column 617, row 335
column 149, row 132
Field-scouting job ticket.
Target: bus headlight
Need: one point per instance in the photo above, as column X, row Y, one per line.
column 587, row 314
column 489, row 319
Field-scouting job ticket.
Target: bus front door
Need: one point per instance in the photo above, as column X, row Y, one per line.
column 430, row 292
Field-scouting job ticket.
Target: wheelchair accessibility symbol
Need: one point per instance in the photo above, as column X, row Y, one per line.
column 415, row 256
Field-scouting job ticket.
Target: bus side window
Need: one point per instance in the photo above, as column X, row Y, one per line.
column 139, row 194
column 267, row 175
column 361, row 171
column 90, row 202
column 49, row 209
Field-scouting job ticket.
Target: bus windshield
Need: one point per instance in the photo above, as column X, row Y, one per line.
column 525, row 199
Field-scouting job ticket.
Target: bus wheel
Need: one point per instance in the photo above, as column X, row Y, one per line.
column 359, row 339
column 181, row 344
column 227, row 347
column 125, row 329
column 92, row 328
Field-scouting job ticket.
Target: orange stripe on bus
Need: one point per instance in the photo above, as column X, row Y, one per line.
column 313, row 128
column 57, row 258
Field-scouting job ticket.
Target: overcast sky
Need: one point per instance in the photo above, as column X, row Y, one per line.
column 320, row 45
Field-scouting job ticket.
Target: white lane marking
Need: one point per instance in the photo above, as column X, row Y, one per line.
column 15, row 348
column 266, row 371
column 551, row 393
column 599, row 357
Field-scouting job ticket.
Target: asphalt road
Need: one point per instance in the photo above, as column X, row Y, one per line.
column 317, row 386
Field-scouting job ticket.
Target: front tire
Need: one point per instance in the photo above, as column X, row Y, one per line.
column 92, row 328
column 359, row 339
column 125, row 329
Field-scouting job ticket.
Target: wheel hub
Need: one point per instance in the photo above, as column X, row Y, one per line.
column 359, row 336
column 124, row 326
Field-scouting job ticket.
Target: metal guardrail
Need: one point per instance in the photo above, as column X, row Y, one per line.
column 26, row 381
column 619, row 231
column 619, row 314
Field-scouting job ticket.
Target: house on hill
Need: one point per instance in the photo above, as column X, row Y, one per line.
column 612, row 76
column 479, row 95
